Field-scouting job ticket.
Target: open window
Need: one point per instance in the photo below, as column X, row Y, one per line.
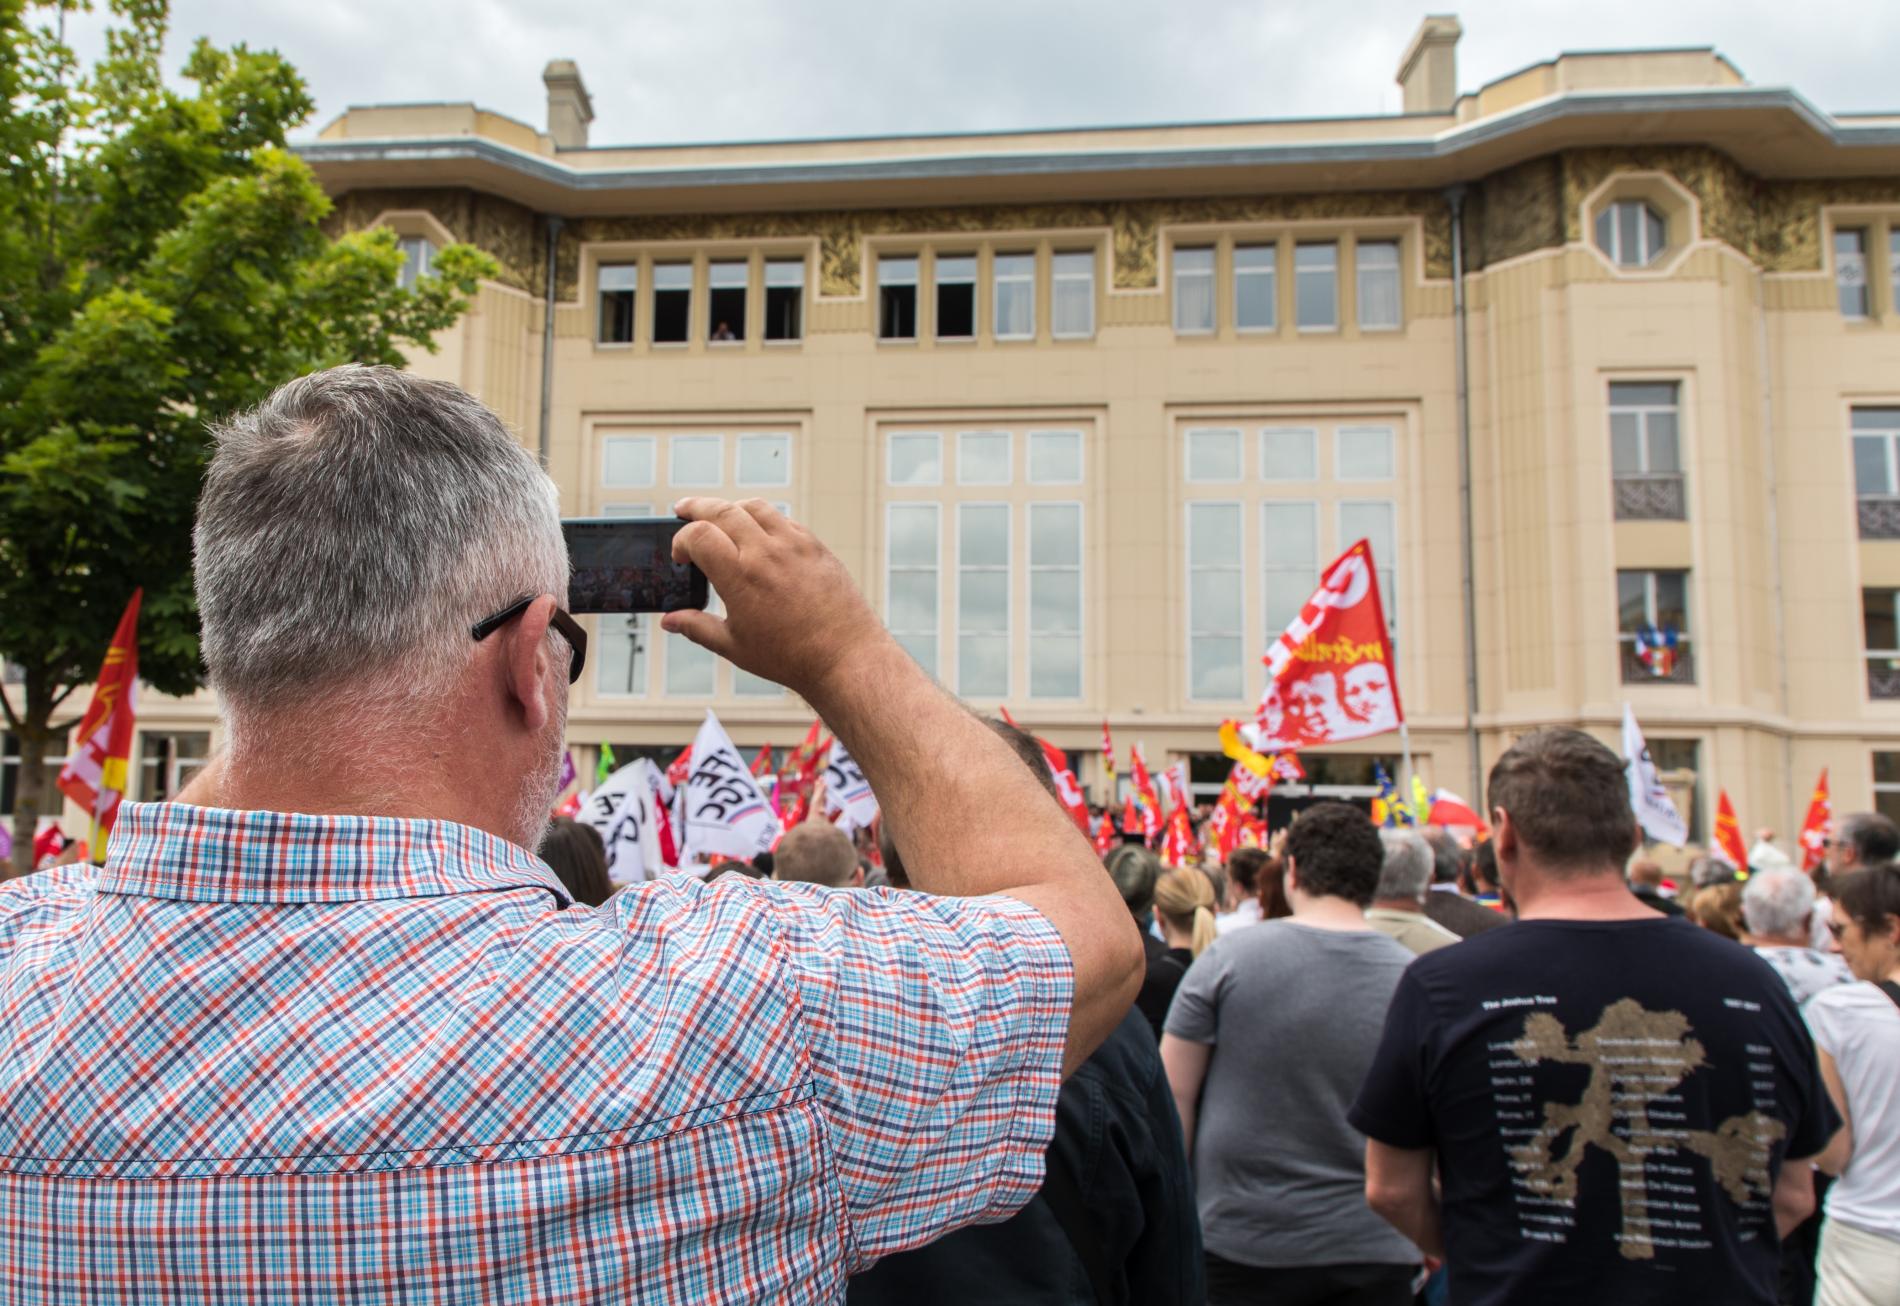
column 672, row 302
column 785, row 299
column 956, row 296
column 619, row 284
column 897, row 298
column 725, row 318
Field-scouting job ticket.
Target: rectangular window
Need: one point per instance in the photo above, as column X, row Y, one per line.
column 1055, row 457
column 1256, row 287
column 1893, row 267
column 51, row 799
column 1654, row 604
column 1876, row 433
column 983, row 458
column 915, row 458
column 697, row 460
column 418, row 254
column 619, row 283
column 1375, row 522
column 784, row 298
column 627, row 462
column 1014, row 280
column 1289, row 541
column 1072, row 292
column 910, row 579
column 956, row 296
column 1850, row 271
column 1316, row 286
column 1379, row 298
column 1288, row 454
column 619, row 657
column 1880, row 636
column 1364, row 453
column 1887, row 785
column 690, row 669
column 725, row 317
column 983, row 600
column 1194, row 290
column 672, row 302
column 897, row 298
column 167, row 762
column 1213, row 454
column 1055, row 600
column 1644, row 439
column 1216, row 624
column 764, row 460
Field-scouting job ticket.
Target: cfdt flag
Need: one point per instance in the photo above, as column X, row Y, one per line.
column 1655, row 810
column 726, row 810
column 624, row 808
column 848, row 792
column 94, row 776
column 1329, row 674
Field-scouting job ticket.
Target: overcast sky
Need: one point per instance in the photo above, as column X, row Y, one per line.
column 698, row 70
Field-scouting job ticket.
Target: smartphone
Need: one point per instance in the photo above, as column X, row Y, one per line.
column 625, row 564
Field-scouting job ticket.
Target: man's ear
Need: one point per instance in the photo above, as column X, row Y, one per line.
column 527, row 662
column 1292, row 879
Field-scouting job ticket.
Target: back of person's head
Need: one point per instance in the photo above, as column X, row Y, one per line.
column 1484, row 867
column 577, row 856
column 352, row 528
column 1243, row 869
column 1135, row 871
column 1870, row 897
column 1407, row 870
column 1705, row 870
column 1646, row 873
column 1335, row 852
column 816, row 852
column 1272, row 891
column 1718, row 908
column 1875, row 838
column 1448, row 859
column 1218, row 882
column 1185, row 899
column 762, row 865
column 1567, row 800
column 1776, row 904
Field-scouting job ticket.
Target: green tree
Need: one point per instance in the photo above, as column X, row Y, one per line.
column 162, row 264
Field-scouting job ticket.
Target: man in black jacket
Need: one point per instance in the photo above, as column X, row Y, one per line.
column 1115, row 1223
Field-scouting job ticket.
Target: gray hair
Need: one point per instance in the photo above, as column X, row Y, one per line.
column 1408, row 866
column 1778, row 902
column 353, row 526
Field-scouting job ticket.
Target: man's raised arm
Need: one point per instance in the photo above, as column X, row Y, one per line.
column 968, row 817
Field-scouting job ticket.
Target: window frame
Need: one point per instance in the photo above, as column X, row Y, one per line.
column 798, row 312
column 890, row 440
column 934, row 667
column 1008, row 570
column 1270, row 568
column 1035, row 638
column 1650, row 575
column 653, row 462
column 1187, row 455
column 1029, row 455
column 1888, row 437
column 1340, row 430
column 1266, row 433
column 673, row 443
column 654, row 300
column 601, row 293
column 1027, row 280
column 1855, row 258
column 1009, row 457
column 1300, row 275
column 714, row 267
column 1239, row 570
column 938, row 281
column 1269, row 272
column 1084, row 258
column 741, row 440
column 1397, row 271
column 1643, row 412
column 1176, row 276
column 884, row 263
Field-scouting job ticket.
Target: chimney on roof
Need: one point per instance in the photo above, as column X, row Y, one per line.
column 569, row 108
column 1428, row 74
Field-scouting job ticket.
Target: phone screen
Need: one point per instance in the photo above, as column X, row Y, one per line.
column 625, row 564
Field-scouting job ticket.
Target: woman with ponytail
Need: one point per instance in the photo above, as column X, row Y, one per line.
column 1184, row 909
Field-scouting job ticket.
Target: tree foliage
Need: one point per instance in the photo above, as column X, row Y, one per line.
column 162, row 264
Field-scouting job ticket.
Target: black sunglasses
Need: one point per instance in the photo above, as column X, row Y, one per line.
column 570, row 631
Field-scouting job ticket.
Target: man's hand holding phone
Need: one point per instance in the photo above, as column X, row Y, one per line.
column 793, row 613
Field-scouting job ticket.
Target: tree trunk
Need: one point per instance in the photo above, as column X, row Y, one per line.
column 30, row 790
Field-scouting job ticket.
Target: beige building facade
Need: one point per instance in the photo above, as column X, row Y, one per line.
column 1086, row 412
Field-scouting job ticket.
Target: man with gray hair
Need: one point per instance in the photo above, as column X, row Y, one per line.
column 1777, row 906
column 1398, row 906
column 1852, row 841
column 325, row 1028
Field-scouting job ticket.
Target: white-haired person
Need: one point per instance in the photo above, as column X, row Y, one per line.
column 326, row 1030
column 1777, row 907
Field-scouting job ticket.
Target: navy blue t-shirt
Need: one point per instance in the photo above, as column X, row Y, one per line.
column 1610, row 1102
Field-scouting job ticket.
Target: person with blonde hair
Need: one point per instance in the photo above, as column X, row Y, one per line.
column 1184, row 904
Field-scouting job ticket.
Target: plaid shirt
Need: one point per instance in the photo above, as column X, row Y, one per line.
column 272, row 1058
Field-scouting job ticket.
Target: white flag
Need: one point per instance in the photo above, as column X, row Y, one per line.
column 1655, row 812
column 622, row 810
column 847, row 790
column 726, row 811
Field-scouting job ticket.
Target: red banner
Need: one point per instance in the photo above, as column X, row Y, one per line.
column 1814, row 828
column 95, row 774
column 1329, row 674
column 1728, row 834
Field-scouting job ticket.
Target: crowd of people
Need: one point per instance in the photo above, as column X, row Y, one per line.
column 324, row 1028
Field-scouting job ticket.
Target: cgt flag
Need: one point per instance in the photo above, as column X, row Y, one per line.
column 1329, row 674
column 94, row 776
column 1728, row 835
column 1814, row 829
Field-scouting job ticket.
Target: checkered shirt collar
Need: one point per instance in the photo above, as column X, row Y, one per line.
column 213, row 854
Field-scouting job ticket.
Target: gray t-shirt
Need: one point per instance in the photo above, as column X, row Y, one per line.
column 1294, row 1015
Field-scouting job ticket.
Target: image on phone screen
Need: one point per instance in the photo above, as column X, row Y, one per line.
column 625, row 564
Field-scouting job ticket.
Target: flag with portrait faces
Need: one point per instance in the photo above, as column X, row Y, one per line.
column 1330, row 674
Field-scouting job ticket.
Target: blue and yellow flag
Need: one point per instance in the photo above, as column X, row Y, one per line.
column 1388, row 812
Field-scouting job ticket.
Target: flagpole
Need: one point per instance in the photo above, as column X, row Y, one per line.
column 1405, row 746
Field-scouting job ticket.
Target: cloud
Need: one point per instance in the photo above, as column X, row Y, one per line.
column 708, row 70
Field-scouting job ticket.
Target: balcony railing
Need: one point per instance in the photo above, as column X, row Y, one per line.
column 1635, row 673
column 1883, row 678
column 1656, row 497
column 1880, row 517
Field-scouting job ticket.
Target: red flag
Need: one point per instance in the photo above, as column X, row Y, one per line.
column 1449, row 809
column 763, row 762
column 569, row 806
column 1131, row 818
column 1286, row 766
column 1067, row 787
column 1814, row 829
column 1150, row 802
column 1108, row 764
column 1728, row 834
column 1329, row 675
column 1104, row 835
column 1008, row 720
column 676, row 773
column 1178, row 848
column 95, row 774
column 1223, row 827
